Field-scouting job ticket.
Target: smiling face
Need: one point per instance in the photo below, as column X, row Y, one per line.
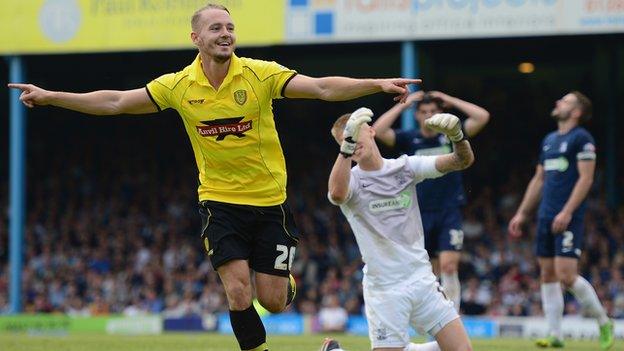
column 213, row 34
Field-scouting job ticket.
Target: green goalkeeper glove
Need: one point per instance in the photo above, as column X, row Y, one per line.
column 352, row 130
column 447, row 124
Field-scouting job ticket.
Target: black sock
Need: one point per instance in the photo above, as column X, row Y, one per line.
column 248, row 329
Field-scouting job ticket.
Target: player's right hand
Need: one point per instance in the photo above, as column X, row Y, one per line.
column 31, row 94
column 414, row 97
column 516, row 224
column 352, row 130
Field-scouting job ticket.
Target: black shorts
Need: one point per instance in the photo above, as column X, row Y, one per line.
column 266, row 236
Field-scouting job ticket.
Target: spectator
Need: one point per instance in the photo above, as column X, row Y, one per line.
column 332, row 316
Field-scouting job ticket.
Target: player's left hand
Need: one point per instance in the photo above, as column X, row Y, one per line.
column 438, row 94
column 447, row 124
column 561, row 222
column 398, row 86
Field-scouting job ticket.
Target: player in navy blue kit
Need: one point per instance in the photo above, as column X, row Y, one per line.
column 440, row 199
column 562, row 181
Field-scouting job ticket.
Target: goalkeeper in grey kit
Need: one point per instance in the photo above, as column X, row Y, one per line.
column 378, row 198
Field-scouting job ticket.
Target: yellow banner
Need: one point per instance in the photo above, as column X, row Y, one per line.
column 63, row 26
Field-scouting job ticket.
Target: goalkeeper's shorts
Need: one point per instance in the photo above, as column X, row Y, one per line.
column 390, row 312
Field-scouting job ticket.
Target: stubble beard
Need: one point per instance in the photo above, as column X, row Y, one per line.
column 559, row 116
column 221, row 58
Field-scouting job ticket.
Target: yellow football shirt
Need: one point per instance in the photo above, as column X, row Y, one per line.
column 232, row 130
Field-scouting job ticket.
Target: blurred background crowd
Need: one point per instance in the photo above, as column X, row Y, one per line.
column 114, row 234
column 112, row 221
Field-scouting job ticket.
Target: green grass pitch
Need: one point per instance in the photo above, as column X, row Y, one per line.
column 215, row 342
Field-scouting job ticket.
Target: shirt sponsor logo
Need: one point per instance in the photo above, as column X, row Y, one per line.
column 240, row 96
column 404, row 200
column 196, row 101
column 556, row 164
column 224, row 127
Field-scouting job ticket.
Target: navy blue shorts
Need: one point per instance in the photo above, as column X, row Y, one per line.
column 566, row 244
column 443, row 230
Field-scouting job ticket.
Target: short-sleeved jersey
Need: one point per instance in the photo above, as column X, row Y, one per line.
column 559, row 156
column 232, row 130
column 382, row 209
column 433, row 194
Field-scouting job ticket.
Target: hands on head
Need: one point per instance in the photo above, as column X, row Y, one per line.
column 415, row 97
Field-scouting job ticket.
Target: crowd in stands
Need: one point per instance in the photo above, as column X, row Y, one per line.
column 111, row 234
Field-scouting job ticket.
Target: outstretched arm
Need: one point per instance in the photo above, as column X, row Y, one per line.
column 383, row 124
column 101, row 102
column 343, row 88
column 478, row 117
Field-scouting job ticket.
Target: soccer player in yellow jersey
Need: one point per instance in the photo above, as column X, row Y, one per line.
column 225, row 103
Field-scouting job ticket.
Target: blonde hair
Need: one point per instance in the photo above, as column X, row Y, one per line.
column 197, row 15
column 339, row 126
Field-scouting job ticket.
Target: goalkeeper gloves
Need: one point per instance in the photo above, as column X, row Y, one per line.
column 352, row 130
column 446, row 124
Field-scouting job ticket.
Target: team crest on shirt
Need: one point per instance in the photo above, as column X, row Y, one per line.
column 240, row 96
column 223, row 127
column 563, row 147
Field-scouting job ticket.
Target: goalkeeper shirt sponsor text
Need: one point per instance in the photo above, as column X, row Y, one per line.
column 383, row 212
